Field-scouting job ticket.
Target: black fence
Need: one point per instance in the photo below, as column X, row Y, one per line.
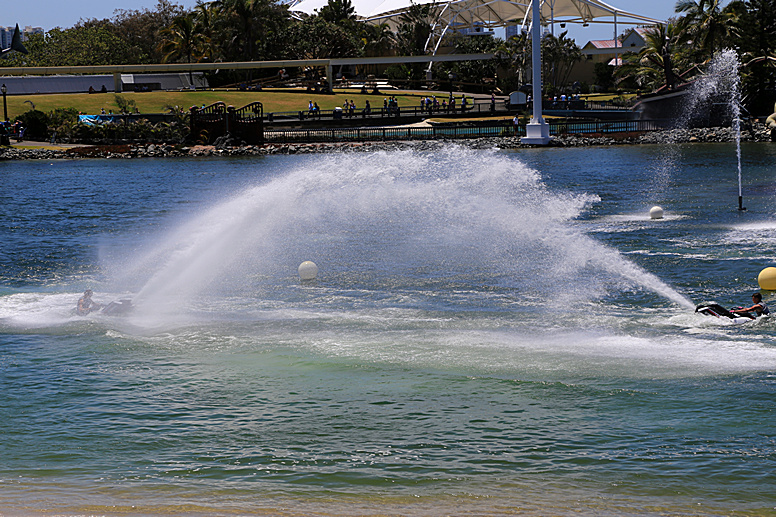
column 443, row 131
column 218, row 119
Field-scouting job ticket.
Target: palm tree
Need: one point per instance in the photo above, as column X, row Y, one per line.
column 414, row 29
column 655, row 65
column 181, row 41
column 339, row 12
column 706, row 24
column 558, row 58
column 516, row 52
column 205, row 15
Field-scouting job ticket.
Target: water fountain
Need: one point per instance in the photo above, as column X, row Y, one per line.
column 721, row 82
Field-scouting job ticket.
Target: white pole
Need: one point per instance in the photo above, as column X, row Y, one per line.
column 616, row 42
column 537, row 131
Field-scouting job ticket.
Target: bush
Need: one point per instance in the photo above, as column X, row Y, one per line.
column 125, row 105
column 62, row 120
column 139, row 131
column 36, row 123
column 398, row 72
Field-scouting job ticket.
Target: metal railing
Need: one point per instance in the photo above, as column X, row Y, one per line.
column 473, row 108
column 490, row 129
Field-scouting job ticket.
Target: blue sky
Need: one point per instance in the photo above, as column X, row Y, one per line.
column 66, row 13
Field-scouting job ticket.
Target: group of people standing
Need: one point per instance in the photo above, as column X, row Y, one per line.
column 9, row 130
column 432, row 104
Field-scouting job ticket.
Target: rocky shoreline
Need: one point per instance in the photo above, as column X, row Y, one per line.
column 757, row 132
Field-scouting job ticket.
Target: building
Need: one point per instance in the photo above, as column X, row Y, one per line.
column 607, row 51
column 29, row 31
column 29, row 85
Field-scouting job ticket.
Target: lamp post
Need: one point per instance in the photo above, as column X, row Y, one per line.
column 4, row 89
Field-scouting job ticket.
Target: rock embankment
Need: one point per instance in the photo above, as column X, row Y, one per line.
column 757, row 132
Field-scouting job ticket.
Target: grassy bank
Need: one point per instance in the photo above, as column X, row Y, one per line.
column 159, row 101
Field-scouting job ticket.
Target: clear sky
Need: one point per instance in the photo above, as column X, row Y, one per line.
column 66, row 13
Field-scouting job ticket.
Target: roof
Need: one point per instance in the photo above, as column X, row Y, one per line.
column 603, row 43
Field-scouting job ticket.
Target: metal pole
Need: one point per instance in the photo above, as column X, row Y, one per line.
column 5, row 104
column 537, row 131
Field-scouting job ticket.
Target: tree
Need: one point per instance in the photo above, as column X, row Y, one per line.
column 78, row 46
column 755, row 36
column 515, row 53
column 655, row 65
column 140, row 29
column 338, row 12
column 252, row 29
column 205, row 18
column 559, row 54
column 472, row 71
column 316, row 38
column 414, row 30
column 181, row 41
column 705, row 24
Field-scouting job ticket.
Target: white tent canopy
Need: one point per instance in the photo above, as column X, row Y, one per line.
column 488, row 13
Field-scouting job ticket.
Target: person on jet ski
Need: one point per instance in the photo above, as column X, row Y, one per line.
column 86, row 304
column 759, row 308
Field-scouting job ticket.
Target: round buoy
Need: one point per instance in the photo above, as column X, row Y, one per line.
column 308, row 270
column 767, row 279
column 656, row 212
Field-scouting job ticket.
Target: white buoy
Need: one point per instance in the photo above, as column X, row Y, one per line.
column 308, row 270
column 656, row 212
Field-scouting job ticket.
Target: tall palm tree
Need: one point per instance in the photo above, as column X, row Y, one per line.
column 205, row 16
column 181, row 41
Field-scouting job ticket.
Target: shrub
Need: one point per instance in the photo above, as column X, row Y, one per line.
column 36, row 124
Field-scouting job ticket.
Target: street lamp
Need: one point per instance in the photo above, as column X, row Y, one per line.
column 5, row 105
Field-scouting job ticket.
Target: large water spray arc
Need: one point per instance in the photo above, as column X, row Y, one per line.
column 409, row 219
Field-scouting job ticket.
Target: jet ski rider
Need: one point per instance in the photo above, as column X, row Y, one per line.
column 86, row 304
column 759, row 308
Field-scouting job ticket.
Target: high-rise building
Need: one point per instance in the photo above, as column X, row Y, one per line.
column 29, row 31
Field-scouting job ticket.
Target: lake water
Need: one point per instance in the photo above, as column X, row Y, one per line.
column 490, row 333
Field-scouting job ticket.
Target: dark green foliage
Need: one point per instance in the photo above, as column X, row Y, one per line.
column 139, row 131
column 317, row 38
column 471, row 71
column 756, row 40
column 604, row 76
column 36, row 123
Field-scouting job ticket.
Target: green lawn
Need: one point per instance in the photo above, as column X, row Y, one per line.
column 158, row 101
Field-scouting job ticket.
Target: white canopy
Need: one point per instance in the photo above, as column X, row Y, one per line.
column 488, row 13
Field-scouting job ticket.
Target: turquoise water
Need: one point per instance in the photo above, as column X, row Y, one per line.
column 489, row 333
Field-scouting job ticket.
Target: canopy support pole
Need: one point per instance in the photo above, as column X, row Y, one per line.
column 537, row 131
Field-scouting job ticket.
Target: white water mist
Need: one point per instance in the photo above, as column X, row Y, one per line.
column 403, row 220
column 721, row 82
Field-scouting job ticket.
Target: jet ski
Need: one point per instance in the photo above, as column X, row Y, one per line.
column 716, row 310
column 118, row 308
